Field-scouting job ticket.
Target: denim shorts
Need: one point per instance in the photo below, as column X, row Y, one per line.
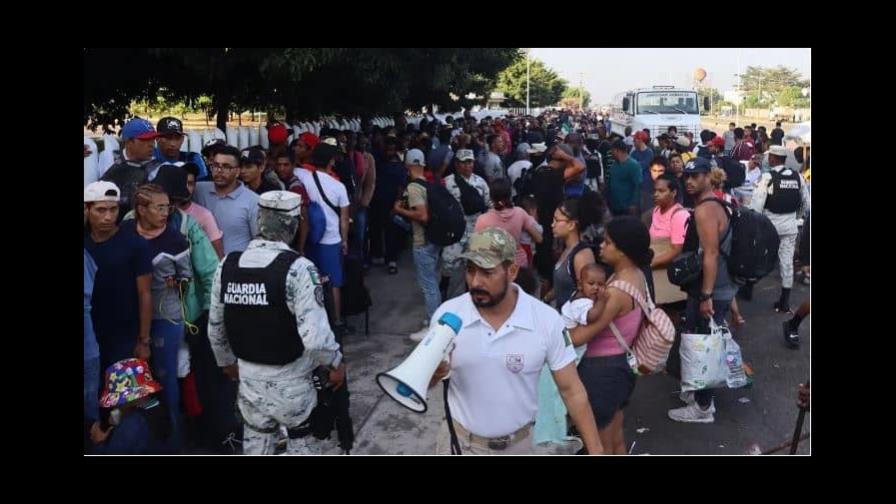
column 609, row 382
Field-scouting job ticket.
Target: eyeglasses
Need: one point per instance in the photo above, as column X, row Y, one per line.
column 222, row 167
column 161, row 208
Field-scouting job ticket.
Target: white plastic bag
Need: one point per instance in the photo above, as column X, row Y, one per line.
column 703, row 364
column 183, row 360
column 737, row 377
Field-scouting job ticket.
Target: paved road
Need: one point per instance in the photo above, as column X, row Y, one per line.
column 764, row 415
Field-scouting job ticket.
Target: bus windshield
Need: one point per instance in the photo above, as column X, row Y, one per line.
column 667, row 102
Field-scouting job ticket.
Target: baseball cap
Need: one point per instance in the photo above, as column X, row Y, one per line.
column 415, row 157
column 138, row 128
column 683, row 141
column 777, row 150
column 698, row 165
column 101, row 191
column 717, row 141
column 664, row 136
column 640, row 135
column 251, row 156
column 277, row 133
column 490, row 247
column 464, row 155
column 309, row 139
column 170, row 126
column 212, row 145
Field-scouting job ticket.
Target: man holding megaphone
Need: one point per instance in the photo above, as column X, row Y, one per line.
column 504, row 340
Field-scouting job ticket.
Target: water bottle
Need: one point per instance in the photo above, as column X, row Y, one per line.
column 736, row 376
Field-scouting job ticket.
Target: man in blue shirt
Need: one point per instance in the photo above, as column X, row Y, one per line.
column 170, row 139
column 625, row 181
column 234, row 205
column 644, row 155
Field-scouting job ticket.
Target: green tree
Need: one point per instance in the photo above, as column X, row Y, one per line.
column 792, row 97
column 299, row 82
column 771, row 82
column 580, row 95
column 545, row 86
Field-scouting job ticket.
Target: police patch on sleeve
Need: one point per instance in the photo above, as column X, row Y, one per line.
column 315, row 277
column 319, row 295
column 566, row 337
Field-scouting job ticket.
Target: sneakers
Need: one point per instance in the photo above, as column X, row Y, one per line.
column 692, row 413
column 687, row 397
column 393, row 268
column 791, row 336
column 783, row 308
column 419, row 335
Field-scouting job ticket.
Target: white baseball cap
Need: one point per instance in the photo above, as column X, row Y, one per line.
column 415, row 157
column 101, row 191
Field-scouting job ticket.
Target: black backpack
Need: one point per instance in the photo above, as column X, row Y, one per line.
column 524, row 185
column 355, row 295
column 754, row 247
column 446, row 224
column 472, row 202
column 735, row 172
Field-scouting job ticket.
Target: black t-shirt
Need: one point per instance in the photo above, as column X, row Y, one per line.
column 777, row 135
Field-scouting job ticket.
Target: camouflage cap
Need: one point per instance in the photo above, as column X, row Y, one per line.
column 278, row 215
column 490, row 247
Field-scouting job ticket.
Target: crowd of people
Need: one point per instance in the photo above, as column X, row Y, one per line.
column 217, row 285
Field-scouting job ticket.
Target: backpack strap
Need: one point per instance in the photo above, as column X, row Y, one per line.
column 571, row 258
column 619, row 338
column 323, row 195
column 630, row 289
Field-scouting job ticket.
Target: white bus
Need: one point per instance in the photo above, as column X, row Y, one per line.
column 655, row 109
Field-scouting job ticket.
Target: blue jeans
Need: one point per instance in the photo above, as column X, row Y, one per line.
column 91, row 389
column 426, row 260
column 166, row 338
column 697, row 324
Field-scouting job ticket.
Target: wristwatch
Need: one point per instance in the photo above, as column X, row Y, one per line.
column 705, row 296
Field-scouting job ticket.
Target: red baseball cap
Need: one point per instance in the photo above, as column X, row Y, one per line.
column 717, row 141
column 309, row 139
column 641, row 135
column 278, row 134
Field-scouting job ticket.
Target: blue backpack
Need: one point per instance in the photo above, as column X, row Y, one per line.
column 317, row 223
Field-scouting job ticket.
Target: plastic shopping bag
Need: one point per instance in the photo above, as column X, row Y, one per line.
column 703, row 363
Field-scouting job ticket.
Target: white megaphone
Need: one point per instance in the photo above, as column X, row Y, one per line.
column 409, row 382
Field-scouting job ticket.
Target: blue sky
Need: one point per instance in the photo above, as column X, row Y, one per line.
column 606, row 72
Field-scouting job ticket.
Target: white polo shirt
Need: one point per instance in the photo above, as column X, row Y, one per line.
column 494, row 374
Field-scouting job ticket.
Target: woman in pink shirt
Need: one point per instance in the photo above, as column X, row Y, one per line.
column 512, row 219
column 667, row 228
column 604, row 370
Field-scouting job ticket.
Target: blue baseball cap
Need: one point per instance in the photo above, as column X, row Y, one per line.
column 138, row 128
column 697, row 165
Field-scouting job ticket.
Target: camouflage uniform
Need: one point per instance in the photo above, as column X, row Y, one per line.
column 271, row 395
column 452, row 264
